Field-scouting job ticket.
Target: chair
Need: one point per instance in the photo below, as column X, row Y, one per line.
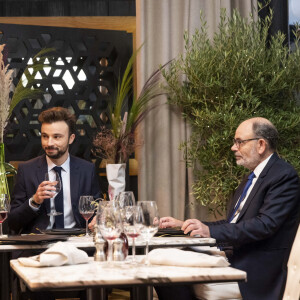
column 292, row 287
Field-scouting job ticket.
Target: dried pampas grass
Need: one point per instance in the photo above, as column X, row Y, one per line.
column 5, row 89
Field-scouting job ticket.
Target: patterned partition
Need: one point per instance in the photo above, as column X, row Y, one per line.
column 81, row 75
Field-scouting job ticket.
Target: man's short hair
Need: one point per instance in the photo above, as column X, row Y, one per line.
column 268, row 132
column 56, row 114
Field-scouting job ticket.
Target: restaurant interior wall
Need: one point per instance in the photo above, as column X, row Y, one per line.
column 98, row 47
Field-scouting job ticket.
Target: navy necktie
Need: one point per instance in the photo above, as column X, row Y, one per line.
column 249, row 182
column 59, row 202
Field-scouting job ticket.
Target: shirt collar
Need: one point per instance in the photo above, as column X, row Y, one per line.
column 65, row 166
column 261, row 166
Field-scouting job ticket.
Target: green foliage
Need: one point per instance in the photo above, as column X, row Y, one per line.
column 239, row 74
column 25, row 88
column 117, row 144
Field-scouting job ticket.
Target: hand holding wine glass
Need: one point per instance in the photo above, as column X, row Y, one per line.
column 55, row 179
column 4, row 210
column 151, row 222
column 87, row 208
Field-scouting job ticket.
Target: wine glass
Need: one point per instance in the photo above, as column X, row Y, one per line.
column 87, row 208
column 124, row 199
column 54, row 178
column 133, row 223
column 151, row 222
column 4, row 210
column 110, row 225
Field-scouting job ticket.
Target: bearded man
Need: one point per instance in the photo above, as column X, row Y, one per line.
column 262, row 221
column 34, row 197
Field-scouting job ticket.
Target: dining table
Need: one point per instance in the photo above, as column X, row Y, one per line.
column 96, row 276
column 83, row 242
column 9, row 249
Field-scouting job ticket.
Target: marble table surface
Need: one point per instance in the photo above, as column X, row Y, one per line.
column 99, row 274
column 83, row 242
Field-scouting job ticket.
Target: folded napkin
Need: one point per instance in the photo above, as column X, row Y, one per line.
column 57, row 255
column 181, row 258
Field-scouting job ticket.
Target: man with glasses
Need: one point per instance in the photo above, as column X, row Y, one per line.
column 262, row 220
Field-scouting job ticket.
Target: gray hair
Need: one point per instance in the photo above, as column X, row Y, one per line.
column 268, row 132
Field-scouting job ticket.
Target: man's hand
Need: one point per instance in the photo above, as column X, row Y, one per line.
column 166, row 222
column 44, row 191
column 195, row 227
column 92, row 223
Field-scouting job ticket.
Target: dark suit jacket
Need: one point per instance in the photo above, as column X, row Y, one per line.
column 264, row 232
column 22, row 218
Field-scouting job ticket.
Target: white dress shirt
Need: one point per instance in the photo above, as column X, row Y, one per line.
column 69, row 220
column 257, row 172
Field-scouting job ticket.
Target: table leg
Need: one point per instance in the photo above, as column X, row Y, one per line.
column 96, row 294
column 15, row 289
column 4, row 276
column 142, row 293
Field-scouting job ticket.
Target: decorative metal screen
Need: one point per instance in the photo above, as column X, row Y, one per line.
column 82, row 75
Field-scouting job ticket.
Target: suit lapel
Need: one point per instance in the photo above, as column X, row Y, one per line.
column 258, row 183
column 42, row 168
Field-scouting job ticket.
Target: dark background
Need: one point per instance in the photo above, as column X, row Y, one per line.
column 37, row 8
column 88, row 48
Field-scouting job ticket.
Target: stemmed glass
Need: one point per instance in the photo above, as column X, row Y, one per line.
column 151, row 222
column 54, row 178
column 4, row 210
column 133, row 224
column 123, row 200
column 87, row 207
column 110, row 225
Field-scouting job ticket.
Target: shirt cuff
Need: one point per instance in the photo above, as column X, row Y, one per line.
column 34, row 207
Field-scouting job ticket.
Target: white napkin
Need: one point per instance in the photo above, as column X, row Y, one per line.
column 181, row 258
column 57, row 255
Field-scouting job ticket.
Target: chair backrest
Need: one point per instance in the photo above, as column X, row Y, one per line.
column 292, row 287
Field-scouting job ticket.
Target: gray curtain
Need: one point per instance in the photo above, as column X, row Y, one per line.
column 163, row 175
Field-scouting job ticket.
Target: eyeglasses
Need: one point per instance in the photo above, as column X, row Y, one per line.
column 238, row 143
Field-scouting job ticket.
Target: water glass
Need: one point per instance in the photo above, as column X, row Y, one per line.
column 150, row 222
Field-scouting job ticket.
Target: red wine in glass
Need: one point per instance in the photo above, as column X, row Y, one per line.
column 3, row 216
column 4, row 209
column 133, row 235
column 86, row 208
column 132, row 225
column 87, row 215
column 110, row 225
column 111, row 237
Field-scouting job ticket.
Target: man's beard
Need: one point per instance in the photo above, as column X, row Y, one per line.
column 59, row 153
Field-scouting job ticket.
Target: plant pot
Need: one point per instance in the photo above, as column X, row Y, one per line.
column 115, row 174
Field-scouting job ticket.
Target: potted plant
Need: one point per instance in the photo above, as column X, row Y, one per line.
column 117, row 143
column 10, row 97
column 238, row 74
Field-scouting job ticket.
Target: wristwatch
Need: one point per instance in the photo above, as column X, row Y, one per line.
column 33, row 203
